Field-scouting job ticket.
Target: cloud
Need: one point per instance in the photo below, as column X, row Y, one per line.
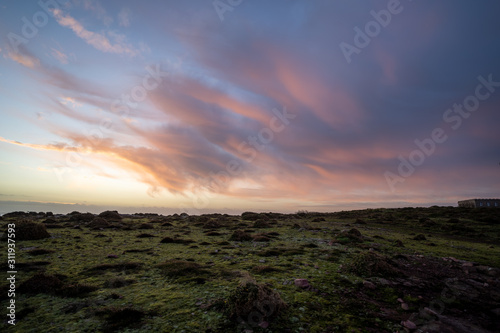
column 23, row 57
column 55, row 146
column 124, row 17
column 71, row 101
column 60, row 56
column 98, row 10
column 352, row 122
column 98, row 41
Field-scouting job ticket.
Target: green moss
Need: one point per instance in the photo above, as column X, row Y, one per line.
column 175, row 285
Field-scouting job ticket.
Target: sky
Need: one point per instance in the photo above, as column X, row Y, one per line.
column 237, row 105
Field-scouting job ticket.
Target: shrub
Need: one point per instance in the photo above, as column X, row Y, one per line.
column 240, row 236
column 118, row 318
column 265, row 269
column 37, row 252
column 118, row 282
column 261, row 238
column 420, row 237
column 212, row 224
column 111, row 216
column 76, row 290
column 146, row 226
column 367, row 264
column 27, row 230
column 41, row 283
column 251, row 216
column 81, row 217
column 253, row 303
column 145, row 236
column 124, row 266
column 177, row 268
column 99, row 223
column 176, row 240
column 261, row 224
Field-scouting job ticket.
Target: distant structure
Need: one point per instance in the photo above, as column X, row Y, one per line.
column 473, row 203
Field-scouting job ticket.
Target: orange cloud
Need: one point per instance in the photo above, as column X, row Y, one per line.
column 25, row 59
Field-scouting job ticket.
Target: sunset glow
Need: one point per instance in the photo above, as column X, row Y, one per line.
column 172, row 106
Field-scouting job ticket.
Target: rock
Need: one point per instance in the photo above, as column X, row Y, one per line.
column 409, row 324
column 369, row 285
column 302, row 283
column 398, row 243
column 355, row 233
column 384, row 282
column 405, row 306
column 261, row 238
column 264, row 324
column 420, row 237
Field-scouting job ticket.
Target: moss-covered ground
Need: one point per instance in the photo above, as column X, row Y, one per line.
column 149, row 273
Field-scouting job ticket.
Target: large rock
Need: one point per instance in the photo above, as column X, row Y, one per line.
column 302, row 283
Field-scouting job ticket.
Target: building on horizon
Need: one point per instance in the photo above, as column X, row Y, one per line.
column 473, row 203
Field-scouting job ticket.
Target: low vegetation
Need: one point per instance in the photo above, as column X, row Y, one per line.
column 433, row 269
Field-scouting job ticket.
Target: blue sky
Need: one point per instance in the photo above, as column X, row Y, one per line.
column 230, row 106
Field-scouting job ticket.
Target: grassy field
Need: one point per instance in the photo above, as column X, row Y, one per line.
column 375, row 270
